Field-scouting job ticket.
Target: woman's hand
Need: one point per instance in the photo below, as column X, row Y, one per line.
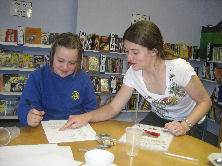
column 176, row 128
column 75, row 121
column 34, row 117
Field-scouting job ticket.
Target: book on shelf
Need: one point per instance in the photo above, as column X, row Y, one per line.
column 82, row 37
column 132, row 103
column 45, row 38
column 20, row 35
column 47, row 60
column 1, row 82
column 113, row 84
column 104, row 85
column 2, row 34
column 95, row 42
column 93, row 64
column 32, row 35
column 98, row 98
column 96, row 83
column 13, row 82
column 85, row 63
column 11, row 35
column 52, row 37
column 5, row 58
column 218, row 74
column 113, row 42
column 12, row 105
column 26, row 61
column 15, row 59
column 38, row 61
column 119, row 81
column 104, row 43
column 215, row 113
column 8, row 79
column 3, row 106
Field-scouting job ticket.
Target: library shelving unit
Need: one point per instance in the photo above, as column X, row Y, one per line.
column 107, row 70
column 111, row 75
column 205, row 71
column 9, row 97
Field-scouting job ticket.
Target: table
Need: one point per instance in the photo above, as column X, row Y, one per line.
column 183, row 145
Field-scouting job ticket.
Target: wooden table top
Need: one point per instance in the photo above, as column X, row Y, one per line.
column 183, row 145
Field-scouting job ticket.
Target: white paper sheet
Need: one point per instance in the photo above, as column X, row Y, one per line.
column 37, row 155
column 160, row 143
column 51, row 129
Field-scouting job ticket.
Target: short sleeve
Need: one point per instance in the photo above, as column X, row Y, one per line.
column 128, row 78
column 183, row 71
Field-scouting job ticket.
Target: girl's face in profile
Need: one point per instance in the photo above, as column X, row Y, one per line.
column 65, row 61
column 138, row 56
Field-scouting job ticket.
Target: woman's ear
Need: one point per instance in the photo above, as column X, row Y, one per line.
column 155, row 51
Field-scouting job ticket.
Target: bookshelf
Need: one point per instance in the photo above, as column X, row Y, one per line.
column 9, row 97
column 109, row 74
column 113, row 70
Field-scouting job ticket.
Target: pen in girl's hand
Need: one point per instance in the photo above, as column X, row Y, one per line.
column 29, row 103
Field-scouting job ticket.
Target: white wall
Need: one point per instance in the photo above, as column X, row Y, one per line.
column 50, row 15
column 179, row 20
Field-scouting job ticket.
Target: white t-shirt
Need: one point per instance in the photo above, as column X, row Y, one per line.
column 175, row 104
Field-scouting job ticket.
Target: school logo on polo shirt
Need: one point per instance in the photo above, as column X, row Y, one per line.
column 75, row 95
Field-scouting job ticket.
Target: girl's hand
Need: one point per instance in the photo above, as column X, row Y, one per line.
column 34, row 117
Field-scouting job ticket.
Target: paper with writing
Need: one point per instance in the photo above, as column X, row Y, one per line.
column 54, row 135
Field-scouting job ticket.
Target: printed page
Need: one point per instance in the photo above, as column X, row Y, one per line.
column 54, row 135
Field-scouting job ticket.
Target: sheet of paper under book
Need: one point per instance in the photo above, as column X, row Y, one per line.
column 54, row 135
column 160, row 143
column 37, row 155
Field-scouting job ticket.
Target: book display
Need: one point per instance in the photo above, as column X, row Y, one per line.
column 207, row 61
column 18, row 57
column 104, row 59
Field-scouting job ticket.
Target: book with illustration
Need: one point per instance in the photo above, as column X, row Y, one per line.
column 32, row 35
column 26, row 61
column 38, row 61
column 8, row 79
column 45, row 38
column 15, row 59
column 11, row 35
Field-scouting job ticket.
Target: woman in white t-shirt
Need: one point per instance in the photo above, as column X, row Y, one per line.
column 178, row 99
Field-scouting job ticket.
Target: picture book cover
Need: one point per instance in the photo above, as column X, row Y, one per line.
column 105, row 85
column 15, row 60
column 12, row 105
column 6, row 58
column 104, row 43
column 45, row 38
column 38, row 61
column 33, row 35
column 11, row 35
column 8, row 79
column 93, row 64
column 26, row 61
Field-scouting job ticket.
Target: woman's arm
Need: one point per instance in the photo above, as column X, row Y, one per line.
column 104, row 113
column 197, row 92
